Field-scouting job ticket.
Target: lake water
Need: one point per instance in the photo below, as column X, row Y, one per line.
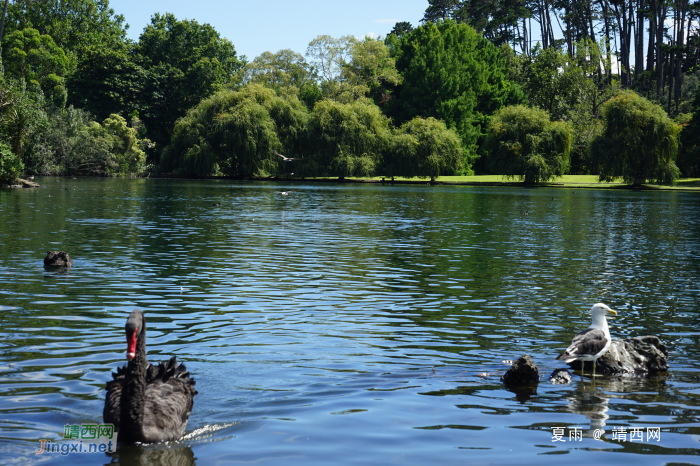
column 344, row 324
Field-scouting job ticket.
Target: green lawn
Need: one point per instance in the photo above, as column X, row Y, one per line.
column 583, row 181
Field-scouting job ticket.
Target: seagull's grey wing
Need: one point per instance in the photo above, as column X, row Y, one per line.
column 590, row 341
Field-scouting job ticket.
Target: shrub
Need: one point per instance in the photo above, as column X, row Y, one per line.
column 347, row 139
column 639, row 142
column 523, row 142
column 10, row 164
column 424, row 147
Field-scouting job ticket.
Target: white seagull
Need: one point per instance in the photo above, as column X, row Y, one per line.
column 593, row 342
column 285, row 159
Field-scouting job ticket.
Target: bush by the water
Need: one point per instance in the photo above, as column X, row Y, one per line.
column 424, row 147
column 235, row 132
column 69, row 142
column 10, row 165
column 639, row 142
column 347, row 139
column 523, row 142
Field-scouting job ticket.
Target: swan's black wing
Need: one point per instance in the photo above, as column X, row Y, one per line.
column 587, row 343
column 169, row 400
column 110, row 414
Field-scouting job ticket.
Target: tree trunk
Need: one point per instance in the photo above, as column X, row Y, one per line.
column 652, row 36
column 623, row 64
column 670, row 79
column 660, row 59
column 679, row 40
column 608, row 60
column 543, row 26
column 2, row 22
column 639, row 43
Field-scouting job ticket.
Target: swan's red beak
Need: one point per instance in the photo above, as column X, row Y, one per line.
column 131, row 345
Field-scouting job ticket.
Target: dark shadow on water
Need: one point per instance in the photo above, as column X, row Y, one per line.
column 175, row 455
column 53, row 270
column 523, row 394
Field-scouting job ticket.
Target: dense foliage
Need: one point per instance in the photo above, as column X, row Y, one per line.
column 37, row 60
column 347, row 139
column 424, row 147
column 235, row 133
column 453, row 74
column 10, row 164
column 689, row 155
column 523, row 142
column 655, row 42
column 77, row 97
column 639, row 142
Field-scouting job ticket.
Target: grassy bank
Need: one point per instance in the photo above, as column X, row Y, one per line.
column 569, row 181
column 566, row 181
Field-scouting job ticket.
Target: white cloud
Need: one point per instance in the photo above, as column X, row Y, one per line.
column 371, row 35
column 390, row 21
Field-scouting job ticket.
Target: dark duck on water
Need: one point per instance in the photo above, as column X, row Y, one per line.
column 148, row 403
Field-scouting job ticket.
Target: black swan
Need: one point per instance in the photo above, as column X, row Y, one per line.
column 148, row 404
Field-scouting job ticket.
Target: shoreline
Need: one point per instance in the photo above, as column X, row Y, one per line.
column 685, row 185
column 438, row 182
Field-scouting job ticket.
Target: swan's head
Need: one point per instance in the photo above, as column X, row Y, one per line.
column 134, row 326
column 600, row 310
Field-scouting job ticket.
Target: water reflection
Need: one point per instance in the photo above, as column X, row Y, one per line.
column 174, row 455
column 314, row 320
column 589, row 399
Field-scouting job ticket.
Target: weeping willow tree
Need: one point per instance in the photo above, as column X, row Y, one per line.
column 347, row 139
column 424, row 147
column 522, row 142
column 639, row 142
column 235, row 133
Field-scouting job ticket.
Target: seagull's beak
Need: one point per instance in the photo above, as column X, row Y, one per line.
column 610, row 311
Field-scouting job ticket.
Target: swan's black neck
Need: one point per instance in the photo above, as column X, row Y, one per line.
column 133, row 399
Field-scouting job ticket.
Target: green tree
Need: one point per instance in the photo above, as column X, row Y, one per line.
column 91, row 152
column 329, row 56
column 440, row 10
column 126, row 147
column 401, row 28
column 551, row 81
column 424, row 147
column 235, row 132
column 689, row 156
column 282, row 70
column 452, row 74
column 639, row 142
column 373, row 68
column 10, row 164
column 74, row 25
column 185, row 62
column 522, row 142
column 36, row 59
column 347, row 139
column 107, row 81
column 49, row 148
column 21, row 113
column 497, row 20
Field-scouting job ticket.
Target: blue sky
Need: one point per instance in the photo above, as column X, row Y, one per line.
column 256, row 26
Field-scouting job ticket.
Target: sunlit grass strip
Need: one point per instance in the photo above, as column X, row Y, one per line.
column 566, row 180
